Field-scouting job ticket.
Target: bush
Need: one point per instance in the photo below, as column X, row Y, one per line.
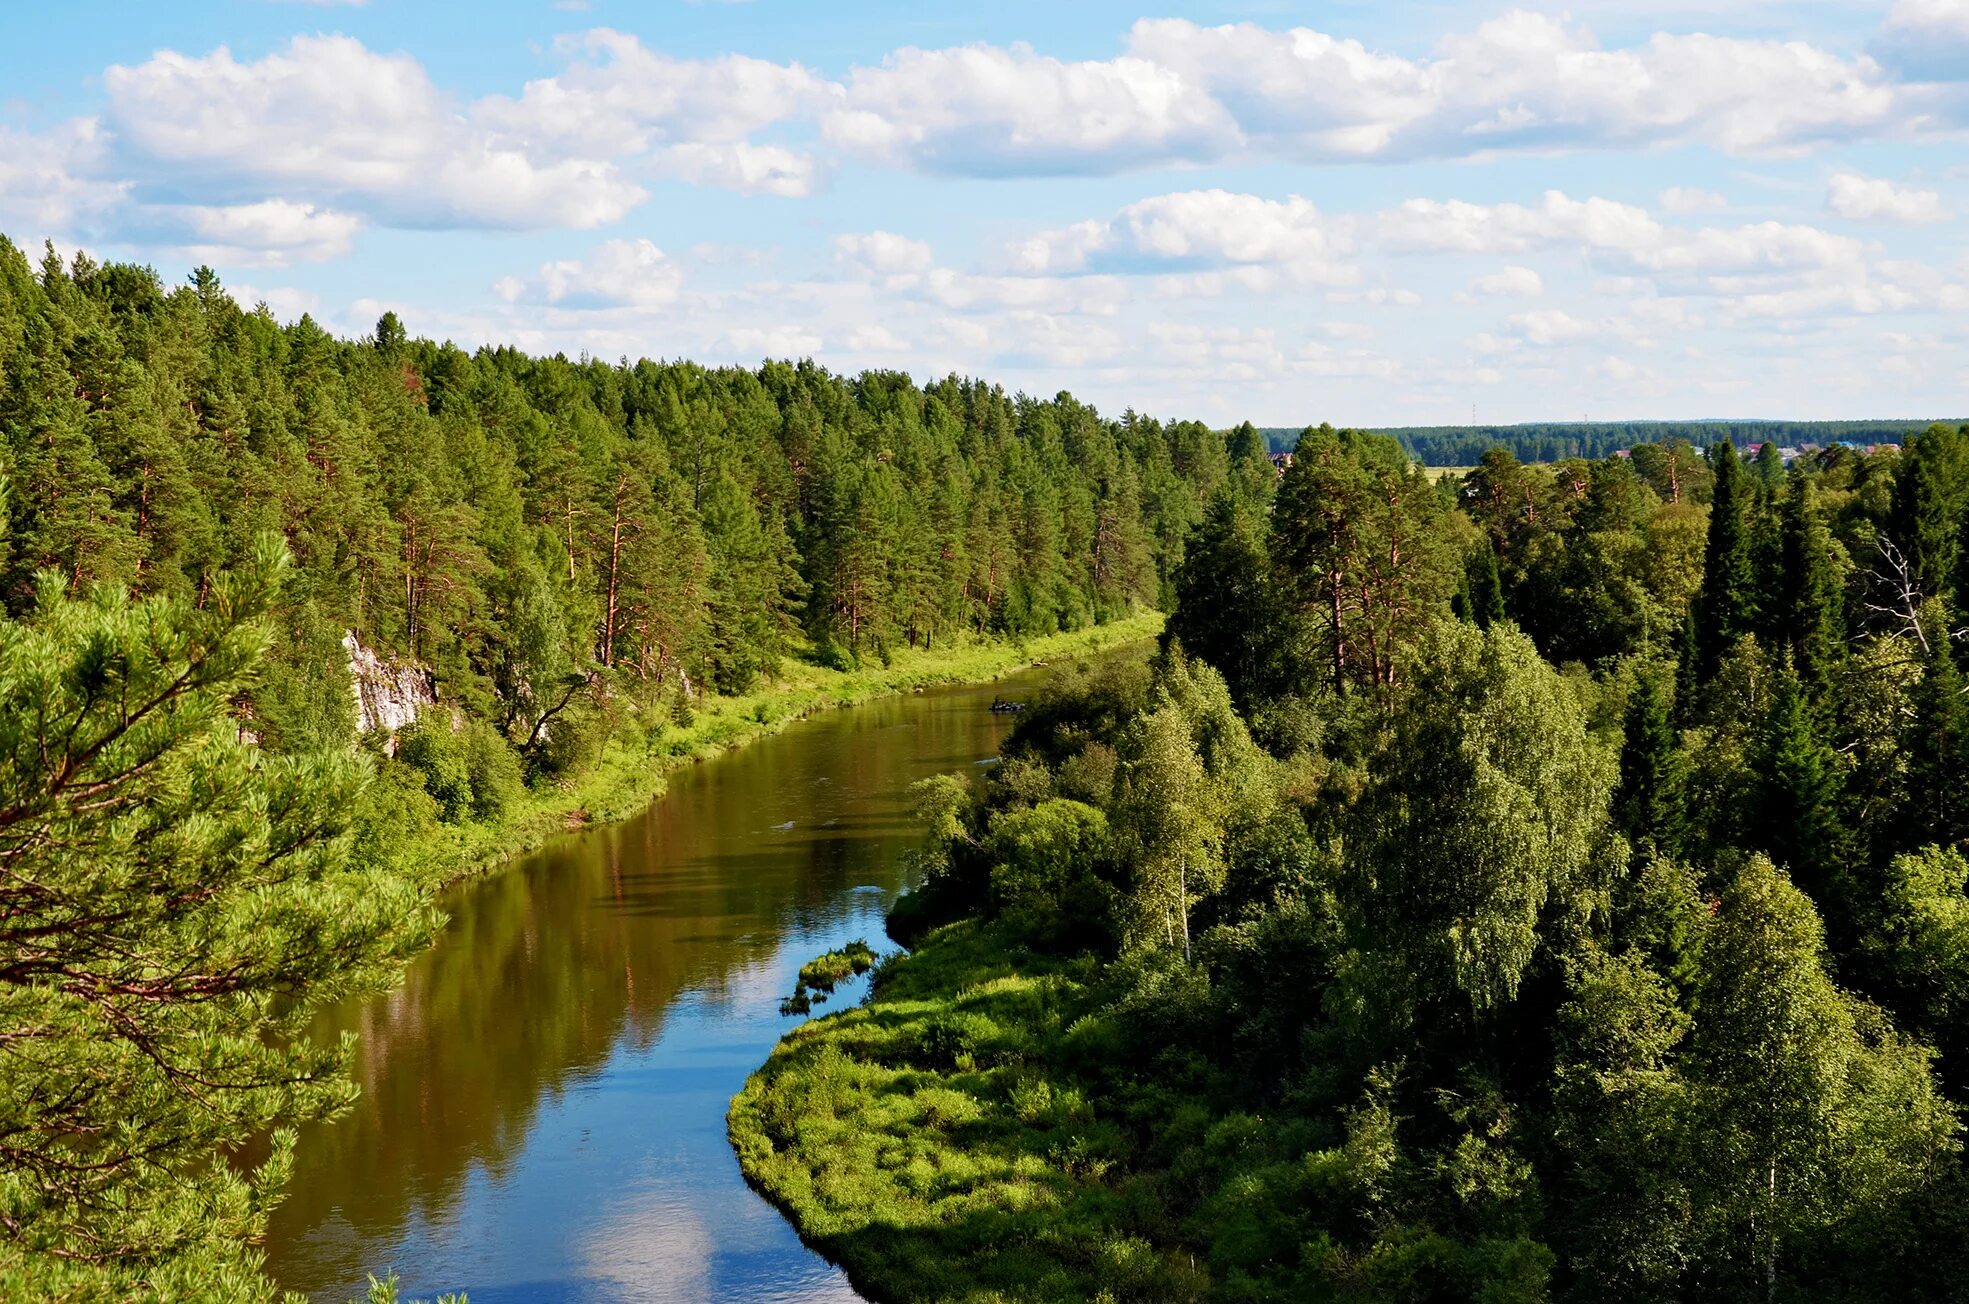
column 1046, row 865
column 431, row 749
column 494, row 770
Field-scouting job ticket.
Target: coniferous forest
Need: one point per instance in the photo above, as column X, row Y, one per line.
column 1547, row 883
column 210, row 513
column 1542, row 883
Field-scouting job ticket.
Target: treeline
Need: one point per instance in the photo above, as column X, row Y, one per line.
column 517, row 523
column 1556, row 441
column 203, row 503
column 1548, row 884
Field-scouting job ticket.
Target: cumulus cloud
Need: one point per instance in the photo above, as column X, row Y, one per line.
column 615, row 274
column 270, row 233
column 772, row 342
column 742, row 166
column 1871, row 199
column 1614, row 230
column 984, row 110
column 1551, row 326
column 1184, row 92
column 617, row 92
column 884, row 253
column 328, row 119
column 1513, row 282
column 1523, row 80
column 48, row 181
column 1200, row 229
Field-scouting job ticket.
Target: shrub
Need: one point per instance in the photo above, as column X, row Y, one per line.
column 494, row 770
column 433, row 751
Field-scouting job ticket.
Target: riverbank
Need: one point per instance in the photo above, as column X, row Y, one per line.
column 940, row 1143
column 629, row 774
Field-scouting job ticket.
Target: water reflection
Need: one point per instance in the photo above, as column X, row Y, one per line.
column 543, row 1099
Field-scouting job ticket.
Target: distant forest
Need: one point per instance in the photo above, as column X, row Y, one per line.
column 1554, row 441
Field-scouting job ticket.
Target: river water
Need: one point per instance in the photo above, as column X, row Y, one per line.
column 543, row 1099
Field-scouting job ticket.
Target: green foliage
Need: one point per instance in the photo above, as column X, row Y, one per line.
column 1725, row 607
column 1482, row 817
column 822, row 974
column 1479, row 985
column 181, row 903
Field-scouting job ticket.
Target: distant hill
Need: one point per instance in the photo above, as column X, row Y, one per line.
column 1549, row 442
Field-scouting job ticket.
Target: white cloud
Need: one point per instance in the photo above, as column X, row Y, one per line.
column 1512, row 282
column 1548, row 326
column 1690, row 199
column 984, row 110
column 327, row 119
column 1200, row 229
column 1523, row 80
column 1871, row 199
column 270, row 233
column 772, row 342
column 616, row 91
column 741, row 166
column 48, row 183
column 884, row 253
column 615, row 274
column 1927, row 39
column 1614, row 230
column 284, row 302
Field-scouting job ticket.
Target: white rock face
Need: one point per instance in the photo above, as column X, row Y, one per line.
column 389, row 694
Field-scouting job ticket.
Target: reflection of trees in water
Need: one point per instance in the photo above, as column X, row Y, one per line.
column 547, row 967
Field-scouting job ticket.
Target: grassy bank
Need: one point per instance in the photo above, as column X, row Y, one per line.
column 630, row 774
column 939, row 1144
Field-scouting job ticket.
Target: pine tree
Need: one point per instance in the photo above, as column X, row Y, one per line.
column 1486, row 588
column 1723, row 606
column 179, row 906
column 1228, row 612
column 1648, row 803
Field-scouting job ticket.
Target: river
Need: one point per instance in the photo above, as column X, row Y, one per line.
column 543, row 1098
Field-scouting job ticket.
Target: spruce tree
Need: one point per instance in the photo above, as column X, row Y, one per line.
column 1937, row 747
column 1228, row 610
column 1723, row 606
column 1648, row 803
column 1688, row 679
column 1795, row 814
column 1807, row 620
column 1931, row 486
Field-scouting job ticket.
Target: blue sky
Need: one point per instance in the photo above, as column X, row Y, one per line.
column 1364, row 213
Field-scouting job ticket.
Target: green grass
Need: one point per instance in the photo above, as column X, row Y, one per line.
column 631, row 774
column 932, row 1143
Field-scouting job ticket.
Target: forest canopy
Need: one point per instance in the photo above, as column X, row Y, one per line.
column 1542, row 883
column 212, row 517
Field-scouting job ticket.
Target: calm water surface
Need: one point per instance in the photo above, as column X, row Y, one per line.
column 543, row 1107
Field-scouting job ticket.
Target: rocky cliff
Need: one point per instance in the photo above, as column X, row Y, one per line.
column 389, row 694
